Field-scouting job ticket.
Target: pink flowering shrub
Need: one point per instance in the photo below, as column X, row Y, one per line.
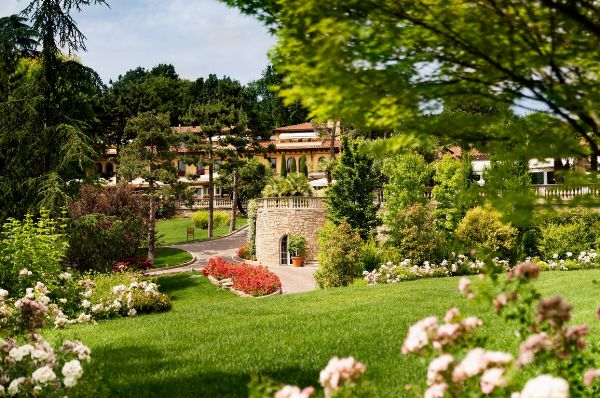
column 549, row 347
column 342, row 377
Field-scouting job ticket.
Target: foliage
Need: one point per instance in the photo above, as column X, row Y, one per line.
column 303, row 167
column 244, row 252
column 565, row 238
column 293, row 169
column 251, row 237
column 339, row 248
column 200, row 218
column 408, row 176
column 350, row 198
column 295, row 184
column 107, row 224
column 252, row 178
column 255, row 281
column 149, row 156
column 507, row 188
column 296, row 245
column 451, row 191
column 283, row 172
column 497, row 60
column 483, row 232
column 370, row 255
column 413, row 232
column 33, row 246
column 270, row 106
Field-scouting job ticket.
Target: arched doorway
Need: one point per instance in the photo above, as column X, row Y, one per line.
column 284, row 256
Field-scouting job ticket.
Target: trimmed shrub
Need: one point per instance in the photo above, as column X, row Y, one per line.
column 560, row 239
column 339, row 248
column 220, row 219
column 415, row 235
column 370, row 256
column 251, row 238
column 483, row 231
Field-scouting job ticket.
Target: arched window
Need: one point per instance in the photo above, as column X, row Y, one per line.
column 110, row 169
column 284, row 257
column 99, row 168
column 291, row 165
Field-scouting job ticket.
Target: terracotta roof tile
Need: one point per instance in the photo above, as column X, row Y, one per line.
column 302, row 127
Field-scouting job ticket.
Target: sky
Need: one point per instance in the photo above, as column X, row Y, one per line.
column 198, row 37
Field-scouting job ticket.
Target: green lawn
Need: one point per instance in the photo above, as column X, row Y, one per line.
column 175, row 230
column 212, row 341
column 168, row 257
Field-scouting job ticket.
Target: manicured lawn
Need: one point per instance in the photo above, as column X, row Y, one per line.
column 175, row 230
column 212, row 341
column 168, row 257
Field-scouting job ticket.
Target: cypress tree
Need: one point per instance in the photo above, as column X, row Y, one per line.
column 303, row 167
column 293, row 168
column 350, row 198
column 283, row 171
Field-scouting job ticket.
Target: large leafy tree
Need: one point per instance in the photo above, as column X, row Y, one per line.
column 17, row 40
column 350, row 199
column 405, row 58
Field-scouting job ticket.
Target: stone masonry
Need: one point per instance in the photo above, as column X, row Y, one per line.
column 273, row 223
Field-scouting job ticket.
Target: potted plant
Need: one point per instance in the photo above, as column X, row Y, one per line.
column 297, row 247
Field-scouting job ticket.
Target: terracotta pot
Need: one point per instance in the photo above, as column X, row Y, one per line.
column 297, row 261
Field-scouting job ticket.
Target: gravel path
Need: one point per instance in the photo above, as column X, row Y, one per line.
column 293, row 279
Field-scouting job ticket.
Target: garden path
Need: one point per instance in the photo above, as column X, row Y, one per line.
column 293, row 280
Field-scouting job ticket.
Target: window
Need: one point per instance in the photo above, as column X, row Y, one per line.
column 551, row 179
column 284, row 258
column 537, row 178
column 273, row 163
column 110, row 170
column 291, row 161
column 199, row 169
column 99, row 168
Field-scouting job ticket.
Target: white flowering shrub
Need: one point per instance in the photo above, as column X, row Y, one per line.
column 407, row 270
column 29, row 365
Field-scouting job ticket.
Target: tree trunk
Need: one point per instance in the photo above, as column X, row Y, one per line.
column 235, row 195
column 151, row 224
column 594, row 159
column 240, row 207
column 211, row 191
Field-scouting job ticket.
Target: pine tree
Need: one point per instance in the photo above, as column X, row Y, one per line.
column 350, row 198
column 283, row 172
column 303, row 168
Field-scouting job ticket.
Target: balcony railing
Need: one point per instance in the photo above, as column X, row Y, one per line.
column 218, row 203
column 560, row 191
column 291, row 202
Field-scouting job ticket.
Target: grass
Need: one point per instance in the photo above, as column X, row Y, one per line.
column 212, row 341
column 168, row 257
column 175, row 230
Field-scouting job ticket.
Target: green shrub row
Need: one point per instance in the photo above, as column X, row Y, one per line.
column 220, row 219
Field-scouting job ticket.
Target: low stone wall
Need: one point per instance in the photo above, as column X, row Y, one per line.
column 276, row 218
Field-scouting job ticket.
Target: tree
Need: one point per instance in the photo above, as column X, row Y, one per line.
column 405, row 57
column 213, row 119
column 302, row 167
column 283, row 171
column 150, row 156
column 350, row 198
column 451, row 192
column 272, row 111
column 252, row 179
column 293, row 169
column 57, row 29
column 408, row 176
column 17, row 40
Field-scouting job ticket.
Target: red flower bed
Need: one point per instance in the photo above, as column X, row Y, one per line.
column 255, row 281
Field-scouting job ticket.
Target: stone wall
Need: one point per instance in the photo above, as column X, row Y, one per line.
column 272, row 223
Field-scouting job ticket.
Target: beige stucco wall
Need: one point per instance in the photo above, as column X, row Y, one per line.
column 273, row 223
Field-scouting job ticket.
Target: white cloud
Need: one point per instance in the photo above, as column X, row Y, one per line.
column 197, row 36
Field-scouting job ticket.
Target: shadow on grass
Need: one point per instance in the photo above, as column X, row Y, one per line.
column 172, row 283
column 141, row 371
